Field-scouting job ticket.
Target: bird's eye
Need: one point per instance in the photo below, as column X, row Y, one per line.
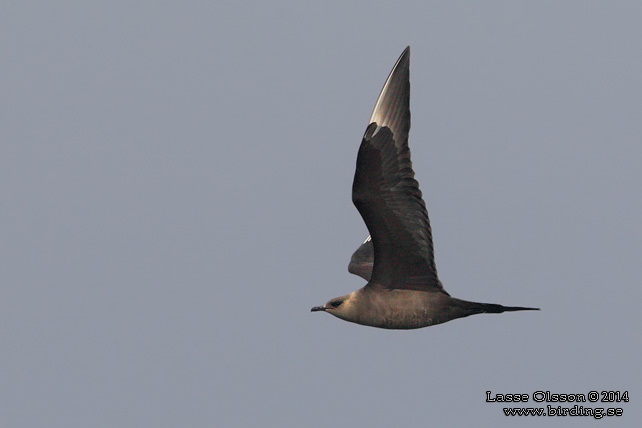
column 336, row 303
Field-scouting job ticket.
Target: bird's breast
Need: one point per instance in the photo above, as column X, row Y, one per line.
column 398, row 309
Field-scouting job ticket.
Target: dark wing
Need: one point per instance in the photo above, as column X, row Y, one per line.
column 392, row 109
column 387, row 195
column 362, row 260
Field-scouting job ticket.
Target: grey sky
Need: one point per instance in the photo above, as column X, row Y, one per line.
column 175, row 183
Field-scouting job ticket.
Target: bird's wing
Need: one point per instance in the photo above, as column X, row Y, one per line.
column 392, row 109
column 362, row 260
column 387, row 195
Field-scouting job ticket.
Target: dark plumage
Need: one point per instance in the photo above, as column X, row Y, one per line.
column 397, row 259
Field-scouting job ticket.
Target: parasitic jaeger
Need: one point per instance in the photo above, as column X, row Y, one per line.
column 397, row 259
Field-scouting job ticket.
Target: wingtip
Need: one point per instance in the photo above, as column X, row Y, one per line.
column 390, row 100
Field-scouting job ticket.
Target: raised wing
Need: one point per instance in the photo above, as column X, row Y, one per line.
column 388, row 197
column 392, row 109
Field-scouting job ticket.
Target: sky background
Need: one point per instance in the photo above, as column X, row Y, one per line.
column 175, row 184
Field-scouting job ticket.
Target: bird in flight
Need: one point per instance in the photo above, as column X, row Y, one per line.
column 397, row 259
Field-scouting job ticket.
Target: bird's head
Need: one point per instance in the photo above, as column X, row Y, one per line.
column 339, row 306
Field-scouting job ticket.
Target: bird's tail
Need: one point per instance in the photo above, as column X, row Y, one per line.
column 491, row 308
column 471, row 308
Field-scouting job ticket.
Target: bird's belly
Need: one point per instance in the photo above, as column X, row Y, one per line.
column 401, row 309
column 405, row 318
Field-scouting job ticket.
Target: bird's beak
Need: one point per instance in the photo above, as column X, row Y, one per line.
column 318, row 308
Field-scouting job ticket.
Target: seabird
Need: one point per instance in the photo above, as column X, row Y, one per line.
column 397, row 259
